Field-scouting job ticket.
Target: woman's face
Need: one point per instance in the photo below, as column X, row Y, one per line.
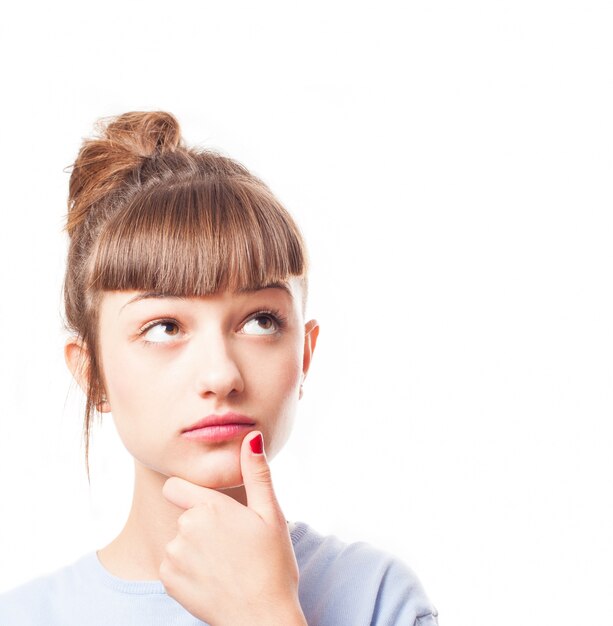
column 169, row 362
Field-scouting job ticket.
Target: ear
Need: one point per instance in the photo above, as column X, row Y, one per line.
column 311, row 332
column 77, row 360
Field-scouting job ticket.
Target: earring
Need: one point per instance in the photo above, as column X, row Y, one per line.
column 301, row 392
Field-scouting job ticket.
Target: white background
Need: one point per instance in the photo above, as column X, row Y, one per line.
column 450, row 166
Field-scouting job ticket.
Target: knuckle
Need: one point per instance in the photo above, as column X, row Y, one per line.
column 263, row 474
column 183, row 523
column 173, row 550
column 166, row 572
column 203, row 512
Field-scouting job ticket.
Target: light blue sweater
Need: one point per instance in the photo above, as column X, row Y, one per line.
column 340, row 585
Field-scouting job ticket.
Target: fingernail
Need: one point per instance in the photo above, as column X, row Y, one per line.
column 257, row 444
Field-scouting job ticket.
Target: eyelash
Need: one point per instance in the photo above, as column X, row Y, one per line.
column 279, row 319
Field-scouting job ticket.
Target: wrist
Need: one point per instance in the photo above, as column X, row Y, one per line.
column 296, row 618
column 292, row 615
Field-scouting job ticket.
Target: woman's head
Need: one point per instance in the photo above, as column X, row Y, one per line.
column 205, row 240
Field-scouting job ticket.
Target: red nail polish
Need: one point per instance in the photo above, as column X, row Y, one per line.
column 257, row 446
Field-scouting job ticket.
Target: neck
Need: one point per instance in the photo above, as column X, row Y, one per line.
column 137, row 552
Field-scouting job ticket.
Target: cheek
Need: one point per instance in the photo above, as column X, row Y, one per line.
column 126, row 380
column 278, row 375
column 137, row 399
column 275, row 385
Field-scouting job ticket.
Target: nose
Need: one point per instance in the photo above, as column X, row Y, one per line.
column 218, row 373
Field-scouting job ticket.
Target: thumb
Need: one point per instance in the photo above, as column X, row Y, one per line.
column 257, row 479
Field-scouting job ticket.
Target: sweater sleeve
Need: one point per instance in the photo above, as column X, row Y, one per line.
column 357, row 584
column 401, row 599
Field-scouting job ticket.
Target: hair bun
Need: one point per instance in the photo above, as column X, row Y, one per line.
column 104, row 163
column 143, row 133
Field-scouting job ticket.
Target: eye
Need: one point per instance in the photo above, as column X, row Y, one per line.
column 155, row 332
column 270, row 322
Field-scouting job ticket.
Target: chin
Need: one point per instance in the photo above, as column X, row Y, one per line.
column 215, row 469
column 216, row 483
column 217, row 476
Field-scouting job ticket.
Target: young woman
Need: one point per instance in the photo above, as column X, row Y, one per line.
column 185, row 296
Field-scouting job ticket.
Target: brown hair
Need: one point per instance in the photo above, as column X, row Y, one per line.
column 147, row 213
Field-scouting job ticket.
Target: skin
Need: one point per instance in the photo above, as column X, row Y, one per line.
column 213, row 360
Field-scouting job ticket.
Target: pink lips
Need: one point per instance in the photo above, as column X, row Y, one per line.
column 219, row 427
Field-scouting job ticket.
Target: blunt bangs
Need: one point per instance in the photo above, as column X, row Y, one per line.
column 197, row 238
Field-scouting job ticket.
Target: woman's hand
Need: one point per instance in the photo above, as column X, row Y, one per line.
column 233, row 565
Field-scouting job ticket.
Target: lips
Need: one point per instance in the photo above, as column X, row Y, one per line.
column 216, row 420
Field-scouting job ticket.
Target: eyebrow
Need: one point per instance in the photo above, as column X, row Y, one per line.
column 160, row 294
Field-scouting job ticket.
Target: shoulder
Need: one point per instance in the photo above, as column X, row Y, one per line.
column 39, row 601
column 359, row 580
